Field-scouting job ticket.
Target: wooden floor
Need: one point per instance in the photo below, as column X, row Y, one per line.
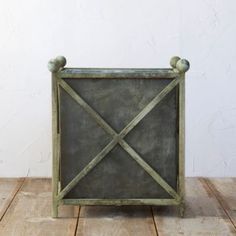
column 25, row 209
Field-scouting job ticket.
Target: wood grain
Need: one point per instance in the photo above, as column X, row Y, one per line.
column 123, row 221
column 210, row 210
column 8, row 190
column 203, row 214
column 225, row 191
column 30, row 212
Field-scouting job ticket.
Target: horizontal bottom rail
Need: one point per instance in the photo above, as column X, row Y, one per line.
column 120, row 202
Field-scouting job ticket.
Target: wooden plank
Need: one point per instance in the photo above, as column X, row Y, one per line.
column 203, row 214
column 30, row 212
column 115, row 221
column 8, row 189
column 225, row 191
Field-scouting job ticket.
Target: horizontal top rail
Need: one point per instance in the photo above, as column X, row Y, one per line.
column 116, row 73
column 178, row 66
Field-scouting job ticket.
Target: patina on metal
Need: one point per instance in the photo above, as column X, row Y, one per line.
column 118, row 135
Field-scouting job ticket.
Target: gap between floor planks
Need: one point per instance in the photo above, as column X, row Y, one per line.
column 25, row 209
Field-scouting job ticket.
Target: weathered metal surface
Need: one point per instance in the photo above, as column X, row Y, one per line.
column 118, row 135
column 107, row 73
column 181, row 154
column 56, row 147
column 118, row 102
column 119, row 202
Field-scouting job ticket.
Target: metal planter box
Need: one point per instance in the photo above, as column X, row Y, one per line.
column 118, row 135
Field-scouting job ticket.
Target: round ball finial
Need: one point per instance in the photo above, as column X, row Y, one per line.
column 173, row 61
column 61, row 60
column 182, row 65
column 54, row 65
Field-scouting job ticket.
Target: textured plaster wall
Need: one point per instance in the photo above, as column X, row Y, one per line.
column 124, row 33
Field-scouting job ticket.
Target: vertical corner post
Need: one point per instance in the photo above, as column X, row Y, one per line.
column 181, row 66
column 54, row 66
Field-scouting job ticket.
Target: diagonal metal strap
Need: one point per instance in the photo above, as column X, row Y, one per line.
column 87, row 108
column 134, row 122
column 148, row 169
column 87, row 168
column 149, row 107
column 119, row 138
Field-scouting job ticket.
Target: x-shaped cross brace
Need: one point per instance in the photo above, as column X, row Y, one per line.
column 119, row 139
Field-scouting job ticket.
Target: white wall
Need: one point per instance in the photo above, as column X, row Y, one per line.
column 111, row 33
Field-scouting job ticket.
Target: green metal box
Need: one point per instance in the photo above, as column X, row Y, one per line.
column 118, row 135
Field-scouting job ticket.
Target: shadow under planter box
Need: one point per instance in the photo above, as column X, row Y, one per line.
column 118, row 135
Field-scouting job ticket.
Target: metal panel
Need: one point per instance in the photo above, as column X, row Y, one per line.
column 118, row 102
